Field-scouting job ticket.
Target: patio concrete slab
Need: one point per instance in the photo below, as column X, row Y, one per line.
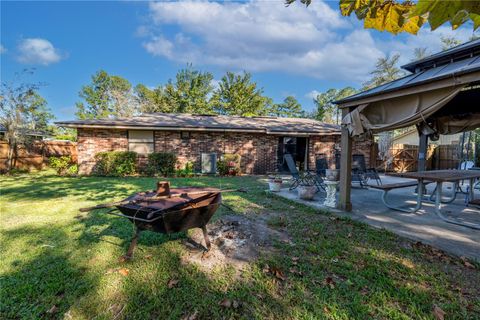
column 424, row 225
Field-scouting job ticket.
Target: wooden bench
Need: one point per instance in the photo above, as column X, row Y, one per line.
column 391, row 186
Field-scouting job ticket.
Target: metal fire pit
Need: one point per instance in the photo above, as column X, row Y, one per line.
column 168, row 210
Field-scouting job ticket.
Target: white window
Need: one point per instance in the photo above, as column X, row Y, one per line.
column 140, row 141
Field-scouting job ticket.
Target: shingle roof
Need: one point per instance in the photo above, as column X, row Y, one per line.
column 170, row 121
column 439, row 69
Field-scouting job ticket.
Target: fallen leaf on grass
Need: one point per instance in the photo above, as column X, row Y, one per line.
column 116, row 309
column 466, row 263
column 295, row 271
column 192, row 316
column 364, row 291
column 123, row 271
column 226, row 303
column 172, row 283
column 148, row 256
column 330, row 282
column 277, row 273
column 326, row 310
column 438, row 312
column 259, row 296
column 52, row 310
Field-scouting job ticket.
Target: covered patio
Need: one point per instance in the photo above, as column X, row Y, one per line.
column 441, row 96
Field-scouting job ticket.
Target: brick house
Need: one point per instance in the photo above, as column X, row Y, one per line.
column 260, row 141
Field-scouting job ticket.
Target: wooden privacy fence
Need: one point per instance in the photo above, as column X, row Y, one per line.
column 36, row 156
column 404, row 158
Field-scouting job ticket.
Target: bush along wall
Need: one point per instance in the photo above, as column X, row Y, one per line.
column 161, row 163
column 229, row 164
column 64, row 165
column 115, row 163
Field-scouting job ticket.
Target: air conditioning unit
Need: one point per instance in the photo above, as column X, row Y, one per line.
column 209, row 163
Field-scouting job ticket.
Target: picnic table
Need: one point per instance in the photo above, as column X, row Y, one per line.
column 439, row 177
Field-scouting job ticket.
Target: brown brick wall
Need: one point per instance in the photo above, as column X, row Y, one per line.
column 328, row 146
column 258, row 151
column 93, row 141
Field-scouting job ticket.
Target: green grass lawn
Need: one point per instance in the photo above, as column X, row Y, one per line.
column 57, row 263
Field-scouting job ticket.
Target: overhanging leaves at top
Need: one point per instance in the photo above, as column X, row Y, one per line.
column 408, row 16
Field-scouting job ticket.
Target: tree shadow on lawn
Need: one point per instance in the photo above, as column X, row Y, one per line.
column 37, row 187
column 43, row 280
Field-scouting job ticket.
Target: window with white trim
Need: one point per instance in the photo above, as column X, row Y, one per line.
column 141, row 141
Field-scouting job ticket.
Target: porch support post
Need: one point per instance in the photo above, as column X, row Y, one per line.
column 422, row 152
column 344, row 202
column 305, row 162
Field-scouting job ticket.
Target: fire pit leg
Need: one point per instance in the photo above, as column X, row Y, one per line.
column 133, row 244
column 205, row 235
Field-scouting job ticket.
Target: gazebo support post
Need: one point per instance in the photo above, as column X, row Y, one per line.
column 422, row 156
column 422, row 152
column 344, row 202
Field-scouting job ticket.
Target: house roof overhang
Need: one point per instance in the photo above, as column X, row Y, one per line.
column 199, row 123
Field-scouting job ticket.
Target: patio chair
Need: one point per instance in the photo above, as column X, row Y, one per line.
column 298, row 178
column 363, row 173
column 357, row 175
column 321, row 166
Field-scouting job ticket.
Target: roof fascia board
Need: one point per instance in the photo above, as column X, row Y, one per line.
column 106, row 126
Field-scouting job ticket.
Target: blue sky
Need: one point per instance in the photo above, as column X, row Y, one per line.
column 290, row 51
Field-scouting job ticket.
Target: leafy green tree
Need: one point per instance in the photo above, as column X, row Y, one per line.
column 238, row 95
column 408, row 16
column 290, row 108
column 22, row 110
column 60, row 133
column 152, row 100
column 326, row 110
column 107, row 96
column 386, row 70
column 190, row 93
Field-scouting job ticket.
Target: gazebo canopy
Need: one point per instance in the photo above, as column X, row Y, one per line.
column 441, row 96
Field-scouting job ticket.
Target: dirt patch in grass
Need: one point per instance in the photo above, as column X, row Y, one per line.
column 236, row 240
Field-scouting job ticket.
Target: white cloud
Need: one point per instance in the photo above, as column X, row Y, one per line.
column 263, row 36
column 2, row 49
column 37, row 51
column 312, row 94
